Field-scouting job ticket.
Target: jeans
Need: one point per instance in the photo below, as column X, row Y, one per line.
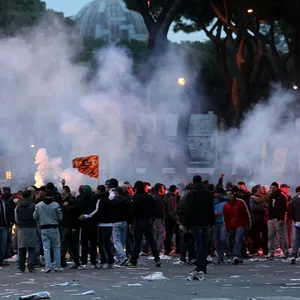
column 22, row 258
column 221, row 244
column 3, row 243
column 201, row 238
column 119, row 238
column 159, row 233
column 235, row 242
column 274, row 227
column 105, row 245
column 143, row 227
column 51, row 238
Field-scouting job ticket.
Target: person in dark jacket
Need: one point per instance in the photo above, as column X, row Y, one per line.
column 160, row 192
column 6, row 192
column 171, row 200
column 71, row 228
column 145, row 211
column 89, row 209
column 277, row 209
column 105, row 229
column 5, row 225
column 259, row 216
column 26, row 231
column 186, row 236
column 200, row 215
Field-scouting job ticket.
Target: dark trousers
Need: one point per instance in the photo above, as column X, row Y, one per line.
column 170, row 228
column 200, row 236
column 89, row 236
column 187, row 244
column 143, row 227
column 259, row 233
column 22, row 258
column 105, row 245
column 70, row 240
column 129, row 242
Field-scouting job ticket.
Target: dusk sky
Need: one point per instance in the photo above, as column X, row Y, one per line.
column 71, row 8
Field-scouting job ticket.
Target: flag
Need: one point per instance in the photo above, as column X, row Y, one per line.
column 88, row 165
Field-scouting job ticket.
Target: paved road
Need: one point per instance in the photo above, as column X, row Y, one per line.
column 262, row 280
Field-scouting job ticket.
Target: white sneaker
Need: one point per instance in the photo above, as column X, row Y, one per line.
column 103, row 266
column 82, row 267
column 94, row 267
column 58, row 270
column 209, row 258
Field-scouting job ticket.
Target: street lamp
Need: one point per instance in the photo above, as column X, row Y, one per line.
column 181, row 81
column 250, row 11
column 31, row 146
column 295, row 87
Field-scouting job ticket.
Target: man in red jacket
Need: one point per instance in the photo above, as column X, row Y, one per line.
column 236, row 218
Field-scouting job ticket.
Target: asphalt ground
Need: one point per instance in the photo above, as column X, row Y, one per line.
column 261, row 280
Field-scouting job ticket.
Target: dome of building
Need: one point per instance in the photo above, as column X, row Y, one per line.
column 111, row 20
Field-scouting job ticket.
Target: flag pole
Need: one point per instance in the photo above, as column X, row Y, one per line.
column 98, row 171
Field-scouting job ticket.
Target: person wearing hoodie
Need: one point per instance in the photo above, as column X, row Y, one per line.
column 48, row 214
column 71, row 226
column 199, row 214
column 121, row 218
column 171, row 200
column 277, row 210
column 104, row 229
column 237, row 220
column 26, row 231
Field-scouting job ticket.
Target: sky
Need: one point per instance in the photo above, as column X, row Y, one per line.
column 72, row 7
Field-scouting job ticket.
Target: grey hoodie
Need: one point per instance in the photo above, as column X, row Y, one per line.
column 48, row 212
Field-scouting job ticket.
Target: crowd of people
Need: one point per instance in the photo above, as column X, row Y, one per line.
column 116, row 224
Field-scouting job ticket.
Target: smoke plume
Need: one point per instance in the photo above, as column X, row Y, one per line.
column 265, row 148
column 47, row 101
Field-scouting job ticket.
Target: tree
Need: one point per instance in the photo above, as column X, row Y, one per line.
column 158, row 16
column 245, row 53
column 15, row 14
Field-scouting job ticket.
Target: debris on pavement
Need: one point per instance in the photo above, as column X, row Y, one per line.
column 66, row 284
column 155, row 276
column 39, row 295
column 91, row 292
column 134, row 284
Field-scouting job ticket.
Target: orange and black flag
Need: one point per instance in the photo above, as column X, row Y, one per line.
column 88, row 165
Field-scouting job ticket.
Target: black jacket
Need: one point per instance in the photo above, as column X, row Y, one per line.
column 70, row 213
column 180, row 208
column 24, row 214
column 258, row 211
column 294, row 207
column 160, row 206
column 103, row 214
column 87, row 205
column 277, row 206
column 145, row 207
column 6, row 214
column 199, row 208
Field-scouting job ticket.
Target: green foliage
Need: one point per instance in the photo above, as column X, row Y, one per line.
column 16, row 14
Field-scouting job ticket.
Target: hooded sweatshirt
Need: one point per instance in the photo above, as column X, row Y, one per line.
column 48, row 213
column 24, row 214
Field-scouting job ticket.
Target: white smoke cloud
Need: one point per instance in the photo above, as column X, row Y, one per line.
column 265, row 148
column 46, row 101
